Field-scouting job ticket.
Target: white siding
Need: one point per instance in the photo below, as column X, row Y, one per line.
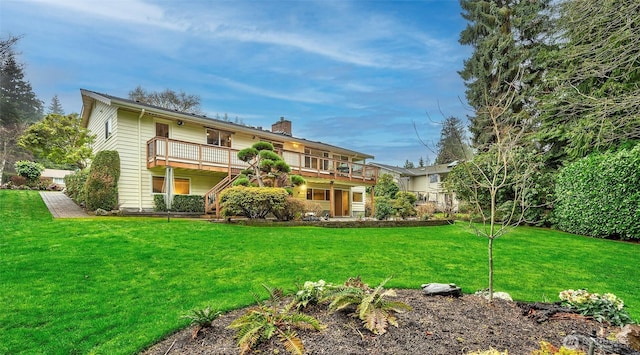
column 99, row 115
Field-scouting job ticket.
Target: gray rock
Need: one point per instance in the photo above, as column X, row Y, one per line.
column 436, row 289
column 500, row 295
column 101, row 212
column 630, row 336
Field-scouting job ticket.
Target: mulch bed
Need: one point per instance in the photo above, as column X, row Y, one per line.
column 437, row 325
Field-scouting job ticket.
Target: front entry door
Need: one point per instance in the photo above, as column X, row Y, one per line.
column 341, row 203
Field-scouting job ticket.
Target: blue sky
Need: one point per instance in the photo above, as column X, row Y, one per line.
column 356, row 74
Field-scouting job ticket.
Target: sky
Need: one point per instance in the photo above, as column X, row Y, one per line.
column 356, row 74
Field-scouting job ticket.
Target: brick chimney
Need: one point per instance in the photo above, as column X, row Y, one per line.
column 283, row 127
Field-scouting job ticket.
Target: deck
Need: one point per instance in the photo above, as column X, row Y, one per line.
column 181, row 154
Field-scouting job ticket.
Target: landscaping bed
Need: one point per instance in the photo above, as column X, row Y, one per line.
column 339, row 223
column 436, row 325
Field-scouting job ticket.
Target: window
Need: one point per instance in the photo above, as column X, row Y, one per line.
column 311, row 159
column 318, row 194
column 277, row 146
column 219, row 138
column 162, row 130
column 181, row 186
column 358, row 197
column 433, row 178
column 107, row 128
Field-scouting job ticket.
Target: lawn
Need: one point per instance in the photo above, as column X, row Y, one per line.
column 113, row 285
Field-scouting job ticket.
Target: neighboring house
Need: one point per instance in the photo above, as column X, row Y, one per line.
column 199, row 154
column 426, row 183
column 56, row 175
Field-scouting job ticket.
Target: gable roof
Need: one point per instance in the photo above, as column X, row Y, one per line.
column 90, row 97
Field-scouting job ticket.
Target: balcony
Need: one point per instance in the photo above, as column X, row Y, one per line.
column 181, row 154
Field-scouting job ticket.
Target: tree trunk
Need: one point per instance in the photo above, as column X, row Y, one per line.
column 4, row 160
column 490, row 269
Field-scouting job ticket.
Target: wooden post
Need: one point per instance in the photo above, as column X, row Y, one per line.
column 332, row 207
column 373, row 203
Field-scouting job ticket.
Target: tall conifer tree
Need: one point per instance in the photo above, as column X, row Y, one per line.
column 592, row 100
column 505, row 36
column 452, row 145
column 18, row 101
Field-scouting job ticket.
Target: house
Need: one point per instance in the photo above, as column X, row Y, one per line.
column 199, row 154
column 56, row 175
column 425, row 182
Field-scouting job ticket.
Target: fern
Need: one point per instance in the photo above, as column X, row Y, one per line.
column 291, row 342
column 201, row 318
column 371, row 305
column 269, row 318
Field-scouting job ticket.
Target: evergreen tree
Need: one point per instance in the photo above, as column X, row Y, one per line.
column 18, row 105
column 55, row 107
column 452, row 145
column 505, row 35
column 592, row 100
column 421, row 163
column 408, row 164
column 18, row 102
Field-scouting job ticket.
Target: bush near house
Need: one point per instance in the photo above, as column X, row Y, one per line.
column 181, row 203
column 75, row 186
column 291, row 209
column 599, row 196
column 30, row 171
column 102, row 182
column 252, row 202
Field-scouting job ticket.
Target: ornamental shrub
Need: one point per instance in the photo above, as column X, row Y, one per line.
column 291, row 209
column 311, row 293
column 599, row 195
column 18, row 180
column 102, row 182
column 403, row 204
column 188, row 203
column 251, row 202
column 75, row 186
column 29, row 170
column 603, row 308
column 158, row 203
column 181, row 203
column 383, row 208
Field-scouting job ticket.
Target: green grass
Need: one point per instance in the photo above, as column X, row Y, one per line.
column 116, row 285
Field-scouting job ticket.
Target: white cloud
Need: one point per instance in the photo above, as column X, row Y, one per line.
column 311, row 96
column 130, row 11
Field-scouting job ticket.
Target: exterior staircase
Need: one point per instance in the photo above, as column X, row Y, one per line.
column 212, row 197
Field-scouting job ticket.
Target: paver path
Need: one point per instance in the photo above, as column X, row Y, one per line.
column 61, row 206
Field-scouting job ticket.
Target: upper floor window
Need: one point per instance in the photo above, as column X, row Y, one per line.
column 162, row 130
column 312, row 159
column 433, row 178
column 107, row 128
column 220, row 138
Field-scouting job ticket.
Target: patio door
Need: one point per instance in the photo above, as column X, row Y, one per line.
column 341, row 203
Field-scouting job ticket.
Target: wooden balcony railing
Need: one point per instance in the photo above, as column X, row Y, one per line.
column 165, row 151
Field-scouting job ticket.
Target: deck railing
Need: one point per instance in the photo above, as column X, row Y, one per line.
column 164, row 151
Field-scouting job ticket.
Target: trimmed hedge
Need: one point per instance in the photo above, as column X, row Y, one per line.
column 181, row 203
column 75, row 186
column 599, row 195
column 102, row 182
column 252, row 202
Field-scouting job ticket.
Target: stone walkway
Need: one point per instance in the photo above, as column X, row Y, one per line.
column 61, row 206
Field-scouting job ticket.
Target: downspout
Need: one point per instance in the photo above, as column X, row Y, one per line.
column 140, row 162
